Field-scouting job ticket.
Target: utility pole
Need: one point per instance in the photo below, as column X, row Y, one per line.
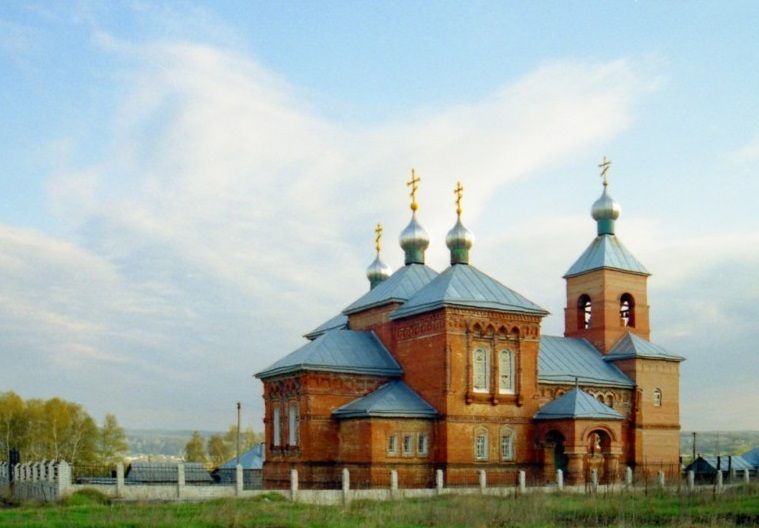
column 694, row 446
column 238, row 433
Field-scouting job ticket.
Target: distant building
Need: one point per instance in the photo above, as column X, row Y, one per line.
column 705, row 467
column 252, row 462
column 450, row 371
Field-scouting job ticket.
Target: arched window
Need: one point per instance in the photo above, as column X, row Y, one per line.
column 480, row 371
column 507, row 444
column 610, row 400
column 276, row 427
column 583, row 312
column 292, row 424
column 481, row 444
column 627, row 310
column 600, row 397
column 657, row 397
column 506, row 371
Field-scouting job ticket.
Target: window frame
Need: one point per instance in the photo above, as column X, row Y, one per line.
column 511, row 389
column 292, row 424
column 481, row 449
column 485, row 366
column 276, row 432
column 658, row 397
column 507, row 433
column 422, row 444
column 407, row 450
column 584, row 312
column 392, row 444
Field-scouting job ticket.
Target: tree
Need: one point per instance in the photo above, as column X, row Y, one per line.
column 11, row 422
column 194, row 450
column 111, row 442
column 248, row 439
column 219, row 451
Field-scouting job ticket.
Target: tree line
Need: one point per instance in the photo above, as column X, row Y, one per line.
column 218, row 448
column 57, row 429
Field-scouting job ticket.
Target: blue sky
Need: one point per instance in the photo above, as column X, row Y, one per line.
column 188, row 188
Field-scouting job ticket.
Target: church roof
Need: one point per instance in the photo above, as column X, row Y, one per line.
column 566, row 359
column 606, row 251
column 338, row 321
column 399, row 287
column 465, row 285
column 577, row 404
column 633, row 346
column 338, row 350
column 393, row 400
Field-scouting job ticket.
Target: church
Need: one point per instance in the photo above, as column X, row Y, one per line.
column 449, row 370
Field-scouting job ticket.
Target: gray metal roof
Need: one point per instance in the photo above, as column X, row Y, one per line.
column 166, row 472
column 338, row 321
column 338, row 351
column 251, row 459
column 606, row 251
column 564, row 359
column 394, row 399
column 465, row 285
column 633, row 346
column 577, row 404
column 752, row 457
column 737, row 462
column 399, row 287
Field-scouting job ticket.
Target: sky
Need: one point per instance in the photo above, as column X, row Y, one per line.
column 188, row 188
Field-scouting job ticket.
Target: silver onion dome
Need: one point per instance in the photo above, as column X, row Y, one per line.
column 459, row 240
column 605, row 211
column 377, row 271
column 414, row 241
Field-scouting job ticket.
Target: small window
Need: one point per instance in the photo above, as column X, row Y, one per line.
column 408, row 444
column 657, row 397
column 481, row 445
column 627, row 310
column 277, row 427
column 422, row 444
column 506, row 371
column 481, row 371
column 292, row 424
column 392, row 444
column 584, row 312
column 507, row 445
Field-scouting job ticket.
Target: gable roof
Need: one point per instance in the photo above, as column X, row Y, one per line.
column 577, row 404
column 398, row 287
column 338, row 321
column 251, row 459
column 465, row 285
column 338, row 351
column 394, row 399
column 566, row 359
column 606, row 251
column 633, row 346
column 725, row 462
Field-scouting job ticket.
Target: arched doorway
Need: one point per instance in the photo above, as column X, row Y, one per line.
column 554, row 456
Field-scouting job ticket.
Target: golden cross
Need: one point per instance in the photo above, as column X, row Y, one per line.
column 414, row 184
column 377, row 237
column 604, row 166
column 459, row 192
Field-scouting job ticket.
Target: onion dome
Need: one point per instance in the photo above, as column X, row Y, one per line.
column 377, row 270
column 605, row 211
column 414, row 241
column 459, row 239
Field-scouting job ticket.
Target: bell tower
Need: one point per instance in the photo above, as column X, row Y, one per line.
column 607, row 295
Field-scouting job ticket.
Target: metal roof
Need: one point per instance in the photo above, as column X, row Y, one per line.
column 725, row 462
column 465, row 285
column 394, row 399
column 251, row 459
column 606, row 251
column 577, row 404
column 338, row 351
column 752, row 457
column 633, row 346
column 566, row 359
column 338, row 321
column 399, row 287
column 166, row 472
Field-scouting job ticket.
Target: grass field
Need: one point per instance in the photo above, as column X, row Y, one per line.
column 738, row 506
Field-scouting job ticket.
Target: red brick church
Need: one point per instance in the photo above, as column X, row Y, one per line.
column 449, row 370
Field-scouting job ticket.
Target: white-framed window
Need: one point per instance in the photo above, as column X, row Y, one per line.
column 481, row 444
column 408, row 444
column 292, row 424
column 276, row 418
column 392, row 444
column 422, row 444
column 507, row 444
column 657, row 397
column 506, row 371
column 480, row 371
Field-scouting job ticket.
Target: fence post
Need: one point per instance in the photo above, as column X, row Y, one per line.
column 660, row 479
column 522, row 482
column 239, row 482
column 745, row 476
column 691, row 481
column 180, row 480
column 439, row 482
column 718, row 481
column 346, row 485
column 293, row 485
column 559, row 479
column 64, row 479
column 593, row 480
column 393, row 483
column 628, row 477
column 120, row 479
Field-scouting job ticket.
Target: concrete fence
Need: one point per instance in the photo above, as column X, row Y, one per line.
column 51, row 481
